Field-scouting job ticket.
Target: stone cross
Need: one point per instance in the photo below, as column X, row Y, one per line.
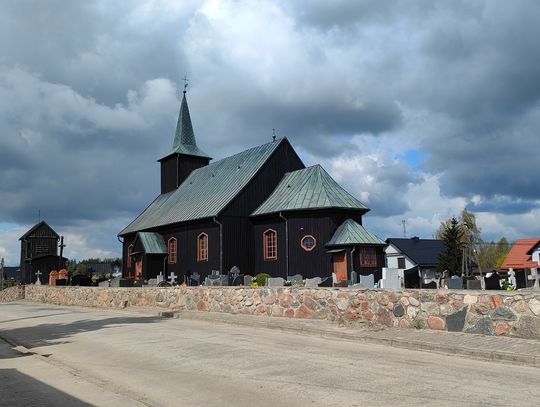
column 536, row 278
column 172, row 278
column 38, row 277
column 159, row 278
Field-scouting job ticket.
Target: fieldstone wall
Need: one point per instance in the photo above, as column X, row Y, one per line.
column 14, row 293
column 484, row 312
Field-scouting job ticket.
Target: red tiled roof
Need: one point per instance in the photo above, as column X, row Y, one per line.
column 518, row 258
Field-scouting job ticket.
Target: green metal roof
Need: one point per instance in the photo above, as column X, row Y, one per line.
column 351, row 233
column 308, row 188
column 152, row 243
column 184, row 137
column 207, row 190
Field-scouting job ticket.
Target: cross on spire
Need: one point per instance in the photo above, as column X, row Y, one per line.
column 185, row 84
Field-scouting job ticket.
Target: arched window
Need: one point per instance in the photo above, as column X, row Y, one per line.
column 130, row 250
column 202, row 247
column 308, row 243
column 270, row 244
column 171, row 250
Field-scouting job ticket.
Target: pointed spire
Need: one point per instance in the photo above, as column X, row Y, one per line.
column 184, row 137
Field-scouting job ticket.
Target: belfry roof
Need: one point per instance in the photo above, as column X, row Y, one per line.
column 308, row 188
column 184, row 137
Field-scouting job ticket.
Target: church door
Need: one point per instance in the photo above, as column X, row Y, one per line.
column 138, row 269
column 339, row 262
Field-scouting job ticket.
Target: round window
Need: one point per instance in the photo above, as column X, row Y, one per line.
column 308, row 243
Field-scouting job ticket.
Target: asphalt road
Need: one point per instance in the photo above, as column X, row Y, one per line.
column 83, row 357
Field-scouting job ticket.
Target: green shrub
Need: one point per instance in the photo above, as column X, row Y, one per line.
column 261, row 279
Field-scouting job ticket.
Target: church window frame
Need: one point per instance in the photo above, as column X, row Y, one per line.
column 129, row 251
column 270, row 252
column 172, row 250
column 202, row 247
column 368, row 256
column 308, row 242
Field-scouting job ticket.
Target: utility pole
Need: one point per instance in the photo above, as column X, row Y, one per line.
column 62, row 245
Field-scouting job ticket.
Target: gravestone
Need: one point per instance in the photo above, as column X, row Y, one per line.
column 125, row 283
column 367, row 281
column 115, row 282
column 535, row 276
column 238, row 280
column 390, row 279
column 224, row 279
column 213, row 281
column 493, row 282
column 521, row 279
column 172, row 278
column 455, row 283
column 474, row 285
column 275, row 282
column 159, row 278
column 152, row 282
column 296, row 277
column 326, row 282
column 104, row 283
column 195, row 279
column 313, row 282
column 215, row 272
column 38, row 277
column 248, row 280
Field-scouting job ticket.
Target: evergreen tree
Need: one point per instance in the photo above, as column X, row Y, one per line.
column 452, row 255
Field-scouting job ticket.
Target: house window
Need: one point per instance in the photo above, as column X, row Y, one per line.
column 270, row 244
column 308, row 243
column 368, row 257
column 401, row 262
column 130, row 250
column 171, row 251
column 202, row 247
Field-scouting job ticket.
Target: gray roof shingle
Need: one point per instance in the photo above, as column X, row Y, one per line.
column 206, row 191
column 308, row 188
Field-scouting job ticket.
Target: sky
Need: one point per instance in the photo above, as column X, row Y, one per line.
column 418, row 108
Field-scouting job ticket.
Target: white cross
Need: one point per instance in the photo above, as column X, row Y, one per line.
column 172, row 278
column 38, row 279
column 536, row 278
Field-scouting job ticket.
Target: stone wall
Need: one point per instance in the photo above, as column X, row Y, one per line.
column 12, row 294
column 486, row 312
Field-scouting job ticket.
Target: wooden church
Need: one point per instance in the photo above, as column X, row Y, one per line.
column 261, row 210
column 39, row 253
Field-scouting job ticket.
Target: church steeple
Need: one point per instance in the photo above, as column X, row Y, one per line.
column 185, row 156
column 184, row 137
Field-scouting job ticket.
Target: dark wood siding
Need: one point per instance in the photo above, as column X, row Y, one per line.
column 276, row 268
column 40, row 242
column 128, row 240
column 176, row 168
column 186, row 246
column 238, row 242
column 169, row 174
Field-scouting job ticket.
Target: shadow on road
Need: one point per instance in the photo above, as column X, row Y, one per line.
column 54, row 333
column 18, row 389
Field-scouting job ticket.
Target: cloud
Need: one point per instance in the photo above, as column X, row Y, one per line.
column 419, row 108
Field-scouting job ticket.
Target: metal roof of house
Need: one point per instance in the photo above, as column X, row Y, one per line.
column 152, row 243
column 352, row 233
column 308, row 188
column 424, row 252
column 184, row 137
column 519, row 256
column 206, row 191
